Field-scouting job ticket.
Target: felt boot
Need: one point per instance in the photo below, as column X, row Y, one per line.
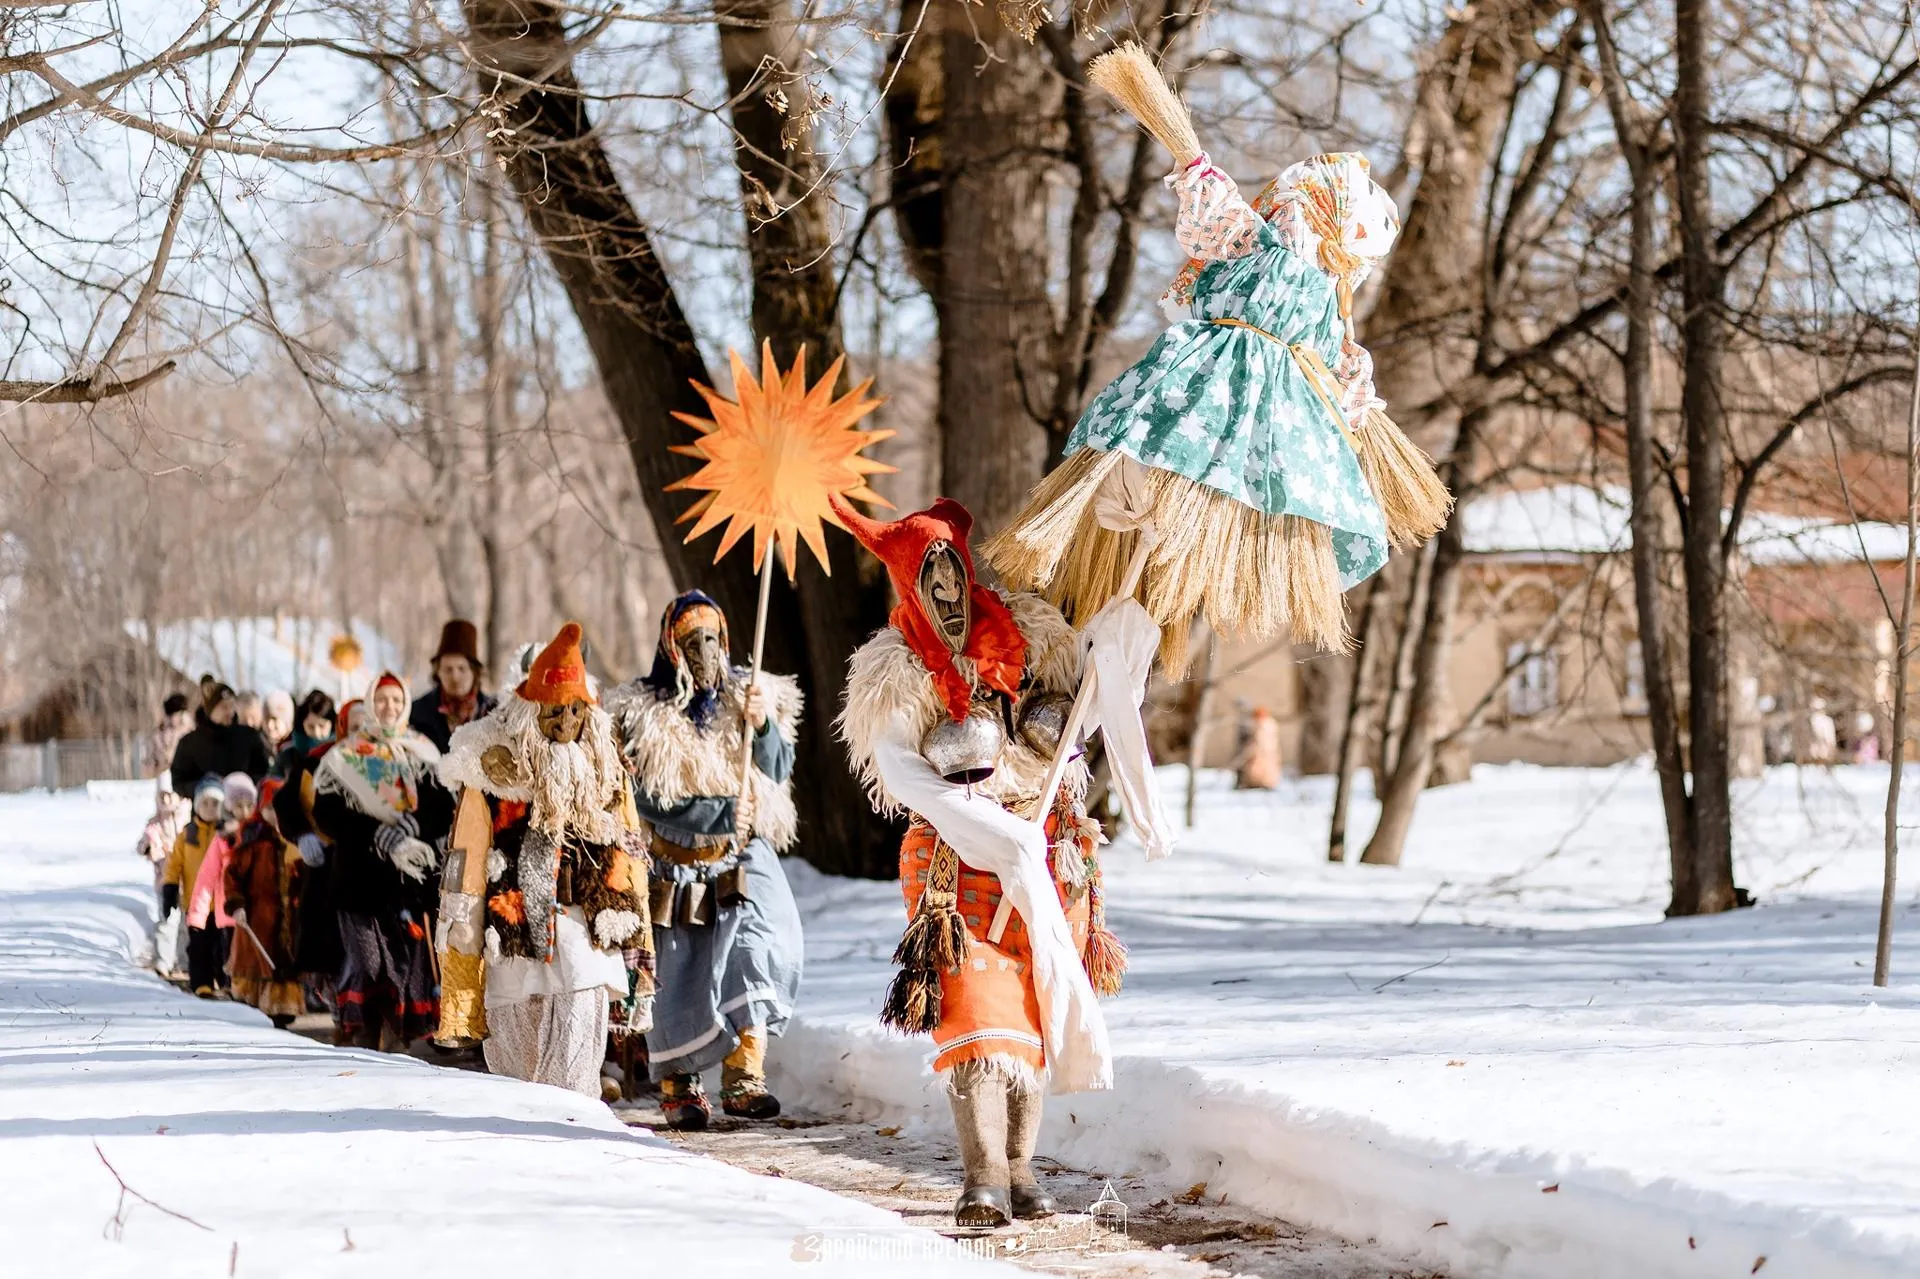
column 979, row 1100
column 1025, row 1104
column 743, row 1078
column 684, row 1102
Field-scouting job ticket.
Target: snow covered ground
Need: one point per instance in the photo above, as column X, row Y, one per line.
column 1498, row 1058
column 246, row 1151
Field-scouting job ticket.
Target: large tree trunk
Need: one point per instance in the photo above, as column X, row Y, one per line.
column 645, row 351
column 1709, row 888
column 1663, row 712
column 796, row 303
column 1366, row 676
column 996, row 321
column 789, row 238
column 1433, row 279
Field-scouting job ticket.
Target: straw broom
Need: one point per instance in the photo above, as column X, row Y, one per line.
column 1128, row 76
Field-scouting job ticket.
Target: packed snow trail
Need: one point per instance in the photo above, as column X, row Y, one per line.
column 146, row 1133
column 1496, row 1059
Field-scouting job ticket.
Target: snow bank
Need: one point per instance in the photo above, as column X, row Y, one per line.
column 1496, row 1059
column 246, row 1151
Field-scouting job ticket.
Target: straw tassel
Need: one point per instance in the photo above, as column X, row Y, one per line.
column 1253, row 574
column 913, row 1002
column 1403, row 480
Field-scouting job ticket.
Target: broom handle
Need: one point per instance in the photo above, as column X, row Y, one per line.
column 1082, row 706
column 753, row 673
column 1083, row 698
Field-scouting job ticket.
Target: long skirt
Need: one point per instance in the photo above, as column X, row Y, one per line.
column 550, row 1039
column 719, row 978
column 386, row 978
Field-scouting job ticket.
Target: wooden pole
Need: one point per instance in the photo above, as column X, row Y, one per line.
column 753, row 673
column 1902, row 650
column 1076, row 719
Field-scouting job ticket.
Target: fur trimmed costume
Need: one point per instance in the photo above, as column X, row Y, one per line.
column 543, row 907
column 726, row 929
column 953, row 716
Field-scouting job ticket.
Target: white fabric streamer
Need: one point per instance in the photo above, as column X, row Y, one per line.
column 988, row 837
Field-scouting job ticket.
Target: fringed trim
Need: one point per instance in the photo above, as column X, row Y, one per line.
column 935, row 942
column 1253, row 574
column 1105, row 957
column 965, row 1075
column 1404, row 482
column 884, row 679
column 674, row 760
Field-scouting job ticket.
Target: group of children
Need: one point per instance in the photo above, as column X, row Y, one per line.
column 227, row 877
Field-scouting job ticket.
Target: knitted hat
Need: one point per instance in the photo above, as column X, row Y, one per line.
column 459, row 638
column 559, row 674
column 240, row 790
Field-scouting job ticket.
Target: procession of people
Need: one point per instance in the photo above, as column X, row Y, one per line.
column 550, row 877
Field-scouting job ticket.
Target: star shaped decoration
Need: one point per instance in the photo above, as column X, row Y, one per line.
column 772, row 456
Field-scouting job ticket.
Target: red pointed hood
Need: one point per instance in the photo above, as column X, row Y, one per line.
column 994, row 643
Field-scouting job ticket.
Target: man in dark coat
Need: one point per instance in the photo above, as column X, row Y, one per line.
column 219, row 744
column 455, row 697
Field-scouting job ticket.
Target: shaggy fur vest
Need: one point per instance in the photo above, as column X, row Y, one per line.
column 673, row 760
column 887, row 678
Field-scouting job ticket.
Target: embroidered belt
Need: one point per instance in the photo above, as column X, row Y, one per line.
column 1312, row 367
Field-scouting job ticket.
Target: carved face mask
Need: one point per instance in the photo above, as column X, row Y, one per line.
column 563, row 722
column 706, row 657
column 943, row 594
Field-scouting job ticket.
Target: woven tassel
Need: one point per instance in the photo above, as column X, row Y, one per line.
column 1403, row 481
column 1106, row 960
column 1105, row 957
column 913, row 1001
column 936, row 937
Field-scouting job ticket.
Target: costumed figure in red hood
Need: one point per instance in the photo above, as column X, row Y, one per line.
column 543, row 901
column 953, row 715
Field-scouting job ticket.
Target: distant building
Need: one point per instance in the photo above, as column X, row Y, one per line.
column 1545, row 658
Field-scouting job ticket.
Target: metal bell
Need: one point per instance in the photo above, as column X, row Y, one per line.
column 1042, row 720
column 966, row 751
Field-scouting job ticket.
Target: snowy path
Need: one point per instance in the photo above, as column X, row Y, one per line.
column 1170, row 1233
column 1495, row 1060
column 251, row 1152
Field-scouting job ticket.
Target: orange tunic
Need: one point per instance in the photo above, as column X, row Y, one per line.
column 989, row 1007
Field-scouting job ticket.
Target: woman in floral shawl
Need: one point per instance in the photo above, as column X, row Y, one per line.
column 379, row 804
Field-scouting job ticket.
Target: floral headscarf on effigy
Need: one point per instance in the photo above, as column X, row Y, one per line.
column 376, row 766
column 1330, row 204
column 670, row 679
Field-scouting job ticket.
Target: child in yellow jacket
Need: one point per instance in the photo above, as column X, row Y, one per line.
column 206, row 946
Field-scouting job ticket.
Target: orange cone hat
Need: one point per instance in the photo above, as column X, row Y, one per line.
column 559, row 674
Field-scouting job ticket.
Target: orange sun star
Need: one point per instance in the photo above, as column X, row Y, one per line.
column 774, row 454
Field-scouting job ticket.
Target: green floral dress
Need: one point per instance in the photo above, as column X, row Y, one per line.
column 1230, row 406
